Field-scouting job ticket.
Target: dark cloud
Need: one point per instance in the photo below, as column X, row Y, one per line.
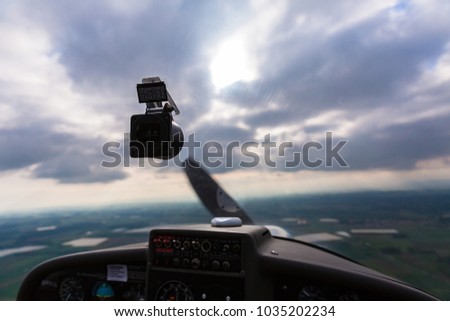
column 222, row 133
column 60, row 156
column 76, row 165
column 197, row 85
column 216, row 142
column 23, row 146
column 394, row 147
column 400, row 146
column 365, row 72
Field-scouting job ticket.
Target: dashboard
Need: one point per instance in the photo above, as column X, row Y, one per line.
column 201, row 262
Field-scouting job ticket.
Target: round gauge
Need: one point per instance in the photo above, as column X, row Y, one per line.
column 133, row 292
column 103, row 291
column 174, row 291
column 71, row 289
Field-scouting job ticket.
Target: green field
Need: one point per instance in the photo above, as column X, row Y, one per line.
column 418, row 254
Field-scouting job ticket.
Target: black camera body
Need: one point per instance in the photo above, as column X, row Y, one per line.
column 155, row 134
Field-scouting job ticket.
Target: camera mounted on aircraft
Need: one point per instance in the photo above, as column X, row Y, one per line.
column 155, row 134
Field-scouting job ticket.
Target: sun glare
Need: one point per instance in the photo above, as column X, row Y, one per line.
column 231, row 64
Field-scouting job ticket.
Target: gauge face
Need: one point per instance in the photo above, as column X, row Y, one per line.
column 174, row 291
column 103, row 291
column 133, row 292
column 71, row 289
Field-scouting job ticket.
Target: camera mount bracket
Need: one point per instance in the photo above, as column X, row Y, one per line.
column 153, row 92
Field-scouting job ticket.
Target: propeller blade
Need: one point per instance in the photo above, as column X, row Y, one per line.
column 214, row 197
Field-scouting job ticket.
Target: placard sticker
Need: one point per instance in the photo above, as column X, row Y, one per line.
column 117, row 272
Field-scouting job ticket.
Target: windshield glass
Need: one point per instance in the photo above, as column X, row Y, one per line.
column 328, row 119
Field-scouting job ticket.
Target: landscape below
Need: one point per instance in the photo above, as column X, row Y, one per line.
column 403, row 234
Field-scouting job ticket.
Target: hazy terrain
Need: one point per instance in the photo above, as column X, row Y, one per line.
column 404, row 234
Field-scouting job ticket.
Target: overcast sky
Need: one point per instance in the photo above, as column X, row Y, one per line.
column 374, row 73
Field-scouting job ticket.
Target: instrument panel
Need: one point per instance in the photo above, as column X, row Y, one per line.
column 200, row 265
column 180, row 251
column 199, row 262
column 94, row 284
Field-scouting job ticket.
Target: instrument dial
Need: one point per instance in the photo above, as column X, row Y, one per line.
column 174, row 291
column 71, row 289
